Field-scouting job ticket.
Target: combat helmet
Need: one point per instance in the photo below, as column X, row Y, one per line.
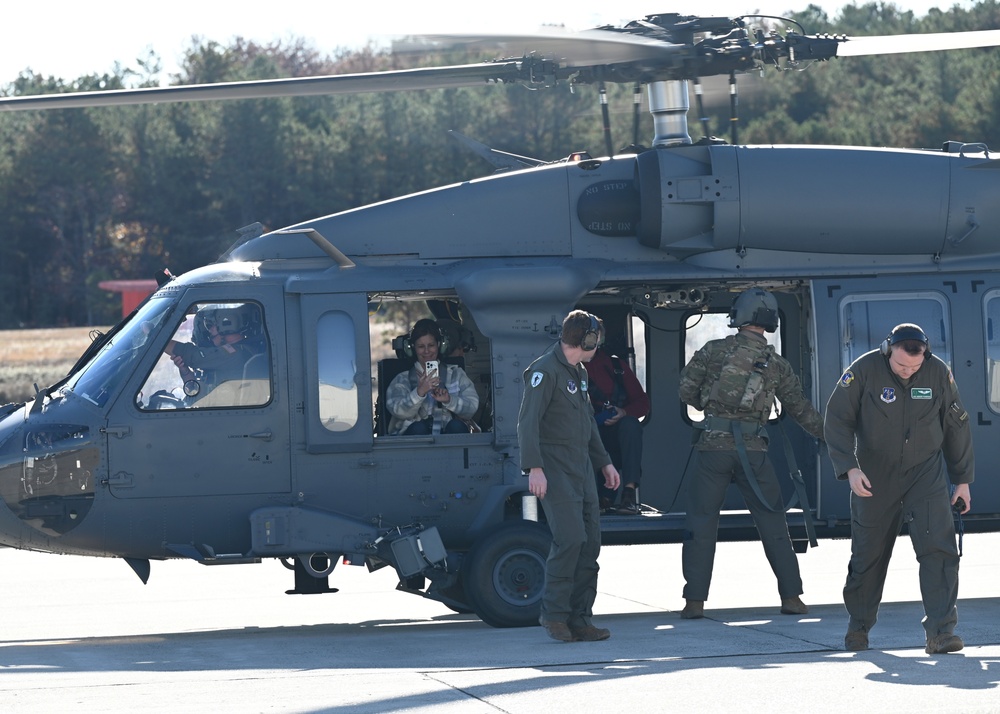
column 755, row 306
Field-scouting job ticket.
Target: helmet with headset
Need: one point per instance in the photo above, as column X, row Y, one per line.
column 755, row 306
column 225, row 319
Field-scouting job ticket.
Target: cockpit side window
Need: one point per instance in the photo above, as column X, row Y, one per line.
column 217, row 357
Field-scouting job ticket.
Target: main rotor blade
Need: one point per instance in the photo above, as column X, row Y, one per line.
column 579, row 49
column 392, row 81
column 897, row 44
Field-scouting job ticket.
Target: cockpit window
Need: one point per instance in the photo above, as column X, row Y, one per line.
column 217, row 357
column 101, row 377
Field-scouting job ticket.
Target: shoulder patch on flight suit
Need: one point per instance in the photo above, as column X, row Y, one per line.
column 845, row 379
column 536, row 379
column 921, row 393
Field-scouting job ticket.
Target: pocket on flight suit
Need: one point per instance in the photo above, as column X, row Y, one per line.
column 931, row 527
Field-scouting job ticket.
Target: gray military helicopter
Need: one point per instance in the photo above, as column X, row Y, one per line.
column 235, row 416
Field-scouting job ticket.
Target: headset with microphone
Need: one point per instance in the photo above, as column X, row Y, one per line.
column 592, row 336
column 404, row 344
column 901, row 333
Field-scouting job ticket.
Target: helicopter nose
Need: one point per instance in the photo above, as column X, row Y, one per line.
column 46, row 480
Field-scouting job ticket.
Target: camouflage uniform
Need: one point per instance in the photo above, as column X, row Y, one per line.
column 734, row 381
column 907, row 436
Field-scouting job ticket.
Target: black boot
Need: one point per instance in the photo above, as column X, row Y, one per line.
column 628, row 506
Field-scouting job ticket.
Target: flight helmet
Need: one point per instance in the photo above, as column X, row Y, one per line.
column 755, row 306
column 227, row 319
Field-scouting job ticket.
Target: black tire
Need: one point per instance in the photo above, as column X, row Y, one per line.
column 504, row 574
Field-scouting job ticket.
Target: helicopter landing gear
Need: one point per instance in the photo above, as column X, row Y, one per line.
column 504, row 574
column 311, row 573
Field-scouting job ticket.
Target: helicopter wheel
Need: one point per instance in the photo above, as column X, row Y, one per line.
column 504, row 574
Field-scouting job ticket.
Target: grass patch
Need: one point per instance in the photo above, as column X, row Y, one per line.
column 42, row 357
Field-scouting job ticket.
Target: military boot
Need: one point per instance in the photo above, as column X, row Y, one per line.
column 693, row 610
column 793, row 606
column 628, row 505
column 856, row 640
column 557, row 630
column 590, row 633
column 944, row 643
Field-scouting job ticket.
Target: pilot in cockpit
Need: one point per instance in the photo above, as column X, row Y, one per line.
column 224, row 337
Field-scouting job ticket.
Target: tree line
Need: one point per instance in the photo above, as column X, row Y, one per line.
column 88, row 195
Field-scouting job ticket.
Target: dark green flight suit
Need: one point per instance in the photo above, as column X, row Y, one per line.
column 904, row 435
column 717, row 381
column 557, row 432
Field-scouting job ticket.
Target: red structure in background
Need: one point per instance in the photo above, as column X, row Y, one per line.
column 133, row 291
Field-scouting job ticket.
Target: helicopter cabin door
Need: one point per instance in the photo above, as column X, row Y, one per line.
column 207, row 412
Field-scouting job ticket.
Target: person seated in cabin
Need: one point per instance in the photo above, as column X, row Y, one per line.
column 431, row 397
column 619, row 403
column 224, row 338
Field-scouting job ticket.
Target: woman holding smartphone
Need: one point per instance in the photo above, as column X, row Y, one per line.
column 432, row 397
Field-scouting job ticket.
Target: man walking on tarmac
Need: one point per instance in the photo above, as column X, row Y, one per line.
column 894, row 426
column 560, row 446
column 734, row 381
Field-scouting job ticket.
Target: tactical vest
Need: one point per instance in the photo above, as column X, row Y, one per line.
column 740, row 385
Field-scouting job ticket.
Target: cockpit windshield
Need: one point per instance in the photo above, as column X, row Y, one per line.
column 102, row 375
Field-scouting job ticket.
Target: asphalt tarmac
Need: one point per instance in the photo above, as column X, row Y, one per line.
column 85, row 635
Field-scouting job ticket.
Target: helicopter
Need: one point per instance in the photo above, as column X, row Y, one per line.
column 155, row 447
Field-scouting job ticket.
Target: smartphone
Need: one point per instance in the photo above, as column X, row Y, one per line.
column 432, row 368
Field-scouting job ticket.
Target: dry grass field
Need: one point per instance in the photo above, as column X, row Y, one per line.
column 42, row 357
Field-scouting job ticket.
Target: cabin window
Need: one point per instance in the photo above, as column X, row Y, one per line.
column 867, row 319
column 337, row 365
column 217, row 357
column 991, row 313
column 465, row 356
column 700, row 328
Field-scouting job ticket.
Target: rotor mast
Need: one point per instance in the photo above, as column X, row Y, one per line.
column 669, row 104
